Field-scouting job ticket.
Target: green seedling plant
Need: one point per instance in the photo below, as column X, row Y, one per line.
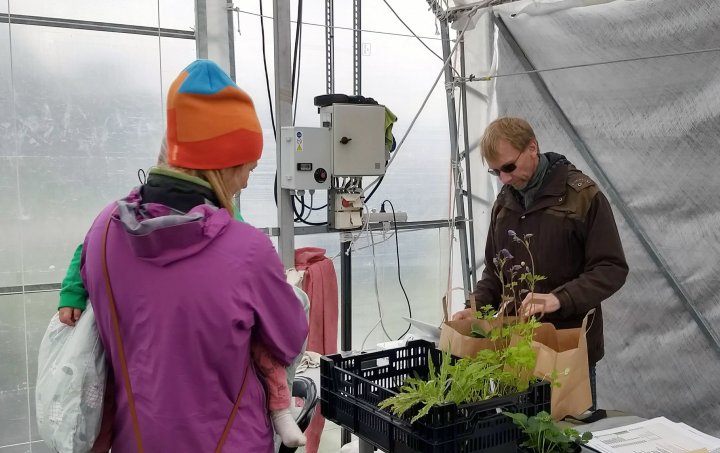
column 544, row 436
column 416, row 391
column 486, row 312
column 492, row 372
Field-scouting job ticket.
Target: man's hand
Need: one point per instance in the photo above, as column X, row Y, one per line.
column 539, row 303
column 69, row 315
column 464, row 314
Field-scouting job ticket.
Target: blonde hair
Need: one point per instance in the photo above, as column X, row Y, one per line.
column 216, row 181
column 515, row 131
column 213, row 177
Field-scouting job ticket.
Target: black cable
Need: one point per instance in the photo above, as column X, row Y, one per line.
column 397, row 250
column 298, row 216
column 310, row 210
column 311, row 206
column 296, row 60
column 142, row 177
column 275, row 184
column 380, row 179
column 306, row 222
column 298, row 34
column 267, row 80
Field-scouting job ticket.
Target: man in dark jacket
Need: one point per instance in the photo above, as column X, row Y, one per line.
column 575, row 243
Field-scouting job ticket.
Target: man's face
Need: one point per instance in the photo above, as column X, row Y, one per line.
column 525, row 162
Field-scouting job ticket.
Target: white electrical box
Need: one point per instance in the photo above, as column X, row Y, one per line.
column 357, row 138
column 346, row 212
column 306, row 160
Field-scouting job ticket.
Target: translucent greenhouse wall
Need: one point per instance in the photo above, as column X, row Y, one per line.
column 84, row 110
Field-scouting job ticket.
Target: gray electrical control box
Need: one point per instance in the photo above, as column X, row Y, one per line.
column 358, row 138
column 306, row 160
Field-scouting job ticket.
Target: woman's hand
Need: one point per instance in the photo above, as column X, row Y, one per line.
column 69, row 315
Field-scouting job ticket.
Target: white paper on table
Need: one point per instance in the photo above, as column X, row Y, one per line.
column 658, row 435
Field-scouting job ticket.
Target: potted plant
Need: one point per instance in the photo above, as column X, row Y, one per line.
column 542, row 435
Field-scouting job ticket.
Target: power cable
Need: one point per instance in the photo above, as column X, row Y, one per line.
column 397, row 255
column 311, row 202
column 296, row 60
column 267, row 81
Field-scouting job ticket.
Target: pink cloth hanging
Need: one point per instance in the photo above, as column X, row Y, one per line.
column 320, row 284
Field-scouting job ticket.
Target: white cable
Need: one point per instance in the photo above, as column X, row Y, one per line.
column 357, row 249
column 410, row 30
column 377, row 291
column 365, row 225
column 456, row 177
column 377, row 299
column 362, row 346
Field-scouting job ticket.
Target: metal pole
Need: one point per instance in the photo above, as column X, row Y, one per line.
column 345, row 309
column 357, row 48
column 346, row 291
column 468, row 184
column 329, row 46
column 612, row 193
column 455, row 152
column 345, row 252
column 283, row 112
column 213, row 25
column 231, row 38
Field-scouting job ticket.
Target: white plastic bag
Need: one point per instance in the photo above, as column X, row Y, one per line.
column 70, row 384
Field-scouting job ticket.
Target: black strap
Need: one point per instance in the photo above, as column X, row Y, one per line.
column 592, row 418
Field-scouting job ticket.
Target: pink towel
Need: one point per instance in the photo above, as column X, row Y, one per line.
column 320, row 284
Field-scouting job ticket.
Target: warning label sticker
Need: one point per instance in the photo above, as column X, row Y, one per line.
column 299, row 141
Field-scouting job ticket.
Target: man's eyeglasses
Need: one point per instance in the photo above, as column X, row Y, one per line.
column 507, row 168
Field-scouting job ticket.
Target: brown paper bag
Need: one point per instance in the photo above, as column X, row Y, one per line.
column 561, row 350
column 456, row 336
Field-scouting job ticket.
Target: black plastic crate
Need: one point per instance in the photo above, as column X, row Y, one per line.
column 351, row 388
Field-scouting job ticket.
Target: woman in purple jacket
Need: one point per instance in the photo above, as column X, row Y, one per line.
column 193, row 288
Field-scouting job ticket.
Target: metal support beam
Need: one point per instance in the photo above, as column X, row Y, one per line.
column 455, row 154
column 283, row 117
column 345, row 252
column 357, row 48
column 329, row 46
column 610, row 190
column 214, row 29
column 17, row 19
column 466, row 156
column 346, row 291
column 345, row 311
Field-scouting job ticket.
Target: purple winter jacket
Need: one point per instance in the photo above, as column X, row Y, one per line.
column 191, row 291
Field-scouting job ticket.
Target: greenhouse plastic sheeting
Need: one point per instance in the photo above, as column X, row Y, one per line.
column 652, row 126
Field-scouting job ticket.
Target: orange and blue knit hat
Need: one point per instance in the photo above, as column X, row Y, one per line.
column 211, row 123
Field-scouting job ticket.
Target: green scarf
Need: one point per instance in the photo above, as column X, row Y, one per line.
column 530, row 190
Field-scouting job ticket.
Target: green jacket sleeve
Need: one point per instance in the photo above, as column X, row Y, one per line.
column 72, row 291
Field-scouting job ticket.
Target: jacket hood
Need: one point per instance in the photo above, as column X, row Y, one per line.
column 162, row 235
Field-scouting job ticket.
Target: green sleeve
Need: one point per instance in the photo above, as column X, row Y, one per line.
column 72, row 290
